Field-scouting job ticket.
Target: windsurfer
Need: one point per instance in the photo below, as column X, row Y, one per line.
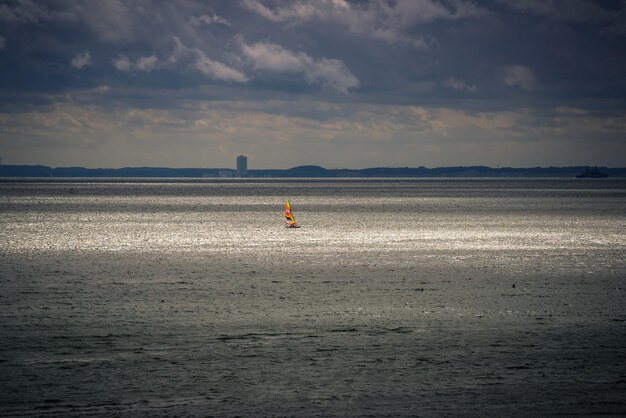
column 290, row 220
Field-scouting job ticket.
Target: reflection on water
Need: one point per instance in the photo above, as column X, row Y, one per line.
column 396, row 297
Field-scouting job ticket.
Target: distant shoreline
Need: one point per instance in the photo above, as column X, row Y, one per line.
column 309, row 171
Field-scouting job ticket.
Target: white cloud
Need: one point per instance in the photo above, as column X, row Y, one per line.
column 459, row 85
column 272, row 57
column 81, row 60
column 207, row 66
column 122, row 63
column 146, row 63
column 328, row 72
column 100, row 89
column 217, row 70
column 386, row 21
column 298, row 11
column 331, row 73
column 519, row 76
column 210, row 20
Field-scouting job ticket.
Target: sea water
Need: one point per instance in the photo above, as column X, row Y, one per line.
column 402, row 297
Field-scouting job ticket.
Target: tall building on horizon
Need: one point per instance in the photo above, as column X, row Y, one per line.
column 242, row 165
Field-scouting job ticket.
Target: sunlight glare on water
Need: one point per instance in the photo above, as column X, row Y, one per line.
column 397, row 297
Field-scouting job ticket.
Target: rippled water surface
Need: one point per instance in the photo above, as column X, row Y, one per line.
column 472, row 297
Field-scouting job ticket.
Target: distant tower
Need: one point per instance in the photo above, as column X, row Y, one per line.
column 242, row 165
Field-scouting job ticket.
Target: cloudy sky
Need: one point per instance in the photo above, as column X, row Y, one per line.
column 336, row 83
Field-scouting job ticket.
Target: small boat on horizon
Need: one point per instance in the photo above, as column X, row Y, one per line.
column 290, row 220
column 592, row 173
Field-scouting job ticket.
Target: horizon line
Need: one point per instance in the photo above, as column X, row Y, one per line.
column 315, row 166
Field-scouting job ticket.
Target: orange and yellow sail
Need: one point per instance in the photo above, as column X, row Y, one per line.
column 290, row 221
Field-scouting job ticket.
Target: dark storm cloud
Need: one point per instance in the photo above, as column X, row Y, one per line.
column 443, row 80
column 399, row 49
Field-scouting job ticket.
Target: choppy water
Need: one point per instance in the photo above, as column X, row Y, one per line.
column 464, row 297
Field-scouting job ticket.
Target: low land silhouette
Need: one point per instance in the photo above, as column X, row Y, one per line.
column 303, row 171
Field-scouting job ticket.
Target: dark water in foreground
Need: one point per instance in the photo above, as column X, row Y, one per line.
column 396, row 298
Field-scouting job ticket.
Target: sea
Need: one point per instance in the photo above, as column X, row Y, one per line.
column 396, row 297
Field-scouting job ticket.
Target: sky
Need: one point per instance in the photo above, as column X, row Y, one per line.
column 341, row 84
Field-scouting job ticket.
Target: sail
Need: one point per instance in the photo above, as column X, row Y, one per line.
column 289, row 219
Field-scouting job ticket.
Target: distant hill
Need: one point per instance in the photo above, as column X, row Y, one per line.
column 43, row 171
column 313, row 171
